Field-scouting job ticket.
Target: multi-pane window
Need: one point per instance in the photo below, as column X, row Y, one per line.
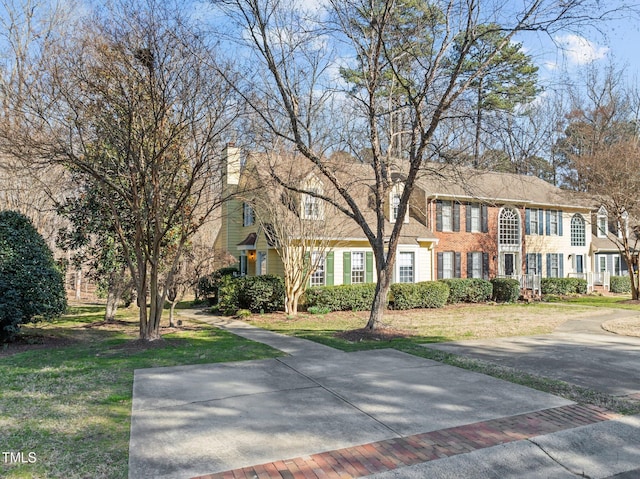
column 474, row 270
column 532, row 263
column 554, row 266
column 405, row 267
column 318, row 275
column 248, row 217
column 357, row 267
column 312, row 209
column 602, row 226
column 553, row 222
column 578, row 237
column 534, row 224
column 474, row 211
column 447, row 216
column 395, row 206
column 447, row 265
column 509, row 227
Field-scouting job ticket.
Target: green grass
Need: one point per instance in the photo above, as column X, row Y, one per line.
column 617, row 301
column 71, row 405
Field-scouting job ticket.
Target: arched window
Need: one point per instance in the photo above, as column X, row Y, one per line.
column 577, row 230
column 509, row 227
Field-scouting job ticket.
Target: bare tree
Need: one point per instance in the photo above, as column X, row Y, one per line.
column 27, row 29
column 399, row 59
column 131, row 102
column 611, row 175
column 302, row 228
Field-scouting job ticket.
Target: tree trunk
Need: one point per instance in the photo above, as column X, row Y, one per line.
column 78, row 284
column 633, row 277
column 172, row 324
column 380, row 300
column 172, row 297
column 112, row 304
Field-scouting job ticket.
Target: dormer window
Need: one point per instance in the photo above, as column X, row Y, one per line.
column 602, row 223
column 248, row 217
column 396, row 194
column 312, row 207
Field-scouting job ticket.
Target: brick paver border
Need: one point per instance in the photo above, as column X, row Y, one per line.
column 366, row 459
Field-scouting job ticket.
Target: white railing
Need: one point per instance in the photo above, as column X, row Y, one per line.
column 527, row 281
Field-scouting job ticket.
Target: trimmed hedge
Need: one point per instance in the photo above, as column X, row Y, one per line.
column 620, row 284
column 563, row 286
column 468, row 290
column 427, row 294
column 344, row 297
column 258, row 294
column 505, row 290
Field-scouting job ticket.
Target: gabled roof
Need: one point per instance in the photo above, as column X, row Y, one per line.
column 357, row 178
column 465, row 183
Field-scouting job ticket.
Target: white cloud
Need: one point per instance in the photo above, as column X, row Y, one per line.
column 579, row 50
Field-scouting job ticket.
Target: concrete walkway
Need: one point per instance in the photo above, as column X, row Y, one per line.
column 324, row 413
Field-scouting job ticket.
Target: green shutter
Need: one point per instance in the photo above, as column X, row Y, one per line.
column 368, row 268
column 329, row 269
column 346, row 267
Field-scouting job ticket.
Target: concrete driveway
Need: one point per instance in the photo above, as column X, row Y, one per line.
column 579, row 352
column 322, row 413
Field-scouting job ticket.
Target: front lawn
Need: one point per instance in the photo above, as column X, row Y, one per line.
column 68, row 401
column 457, row 322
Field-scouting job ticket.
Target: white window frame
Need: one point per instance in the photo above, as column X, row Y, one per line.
column 312, row 206
column 554, row 267
column 248, row 216
column 534, row 221
column 578, row 230
column 357, row 267
column 475, row 220
column 318, row 277
column 509, row 230
column 448, row 265
column 447, row 215
column 602, row 263
column 476, row 265
column 394, row 204
column 532, row 263
column 261, row 263
column 553, row 223
column 406, row 267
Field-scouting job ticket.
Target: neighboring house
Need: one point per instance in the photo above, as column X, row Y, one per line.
column 491, row 224
column 461, row 223
column 606, row 236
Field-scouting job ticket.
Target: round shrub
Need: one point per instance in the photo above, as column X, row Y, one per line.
column 620, row 284
column 208, row 285
column 258, row 294
column 31, row 285
column 468, row 290
column 505, row 290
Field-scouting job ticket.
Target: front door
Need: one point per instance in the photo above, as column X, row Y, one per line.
column 509, row 264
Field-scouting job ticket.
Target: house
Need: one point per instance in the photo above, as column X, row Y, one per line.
column 491, row 224
column 461, row 223
column 348, row 257
column 607, row 237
